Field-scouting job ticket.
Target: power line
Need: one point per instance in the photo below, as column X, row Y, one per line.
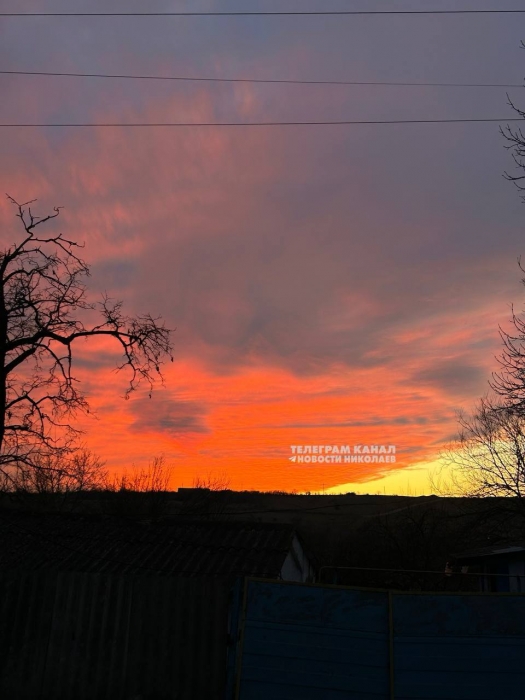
column 285, row 81
column 246, row 124
column 262, row 14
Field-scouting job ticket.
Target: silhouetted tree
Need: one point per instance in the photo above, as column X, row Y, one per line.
column 55, row 481
column 509, row 382
column 143, row 493
column 79, row 471
column 516, row 145
column 487, row 460
column 156, row 476
column 43, row 310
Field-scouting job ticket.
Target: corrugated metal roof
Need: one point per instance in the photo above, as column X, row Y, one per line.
column 79, row 543
column 83, row 636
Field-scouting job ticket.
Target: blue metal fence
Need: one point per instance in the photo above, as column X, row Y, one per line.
column 327, row 643
column 459, row 646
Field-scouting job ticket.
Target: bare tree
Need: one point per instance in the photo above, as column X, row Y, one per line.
column 44, row 309
column 212, row 482
column 516, row 145
column 80, row 471
column 155, row 477
column 145, row 493
column 487, row 460
column 56, row 481
column 509, row 382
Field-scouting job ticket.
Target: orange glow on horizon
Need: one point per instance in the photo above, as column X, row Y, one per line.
column 245, row 423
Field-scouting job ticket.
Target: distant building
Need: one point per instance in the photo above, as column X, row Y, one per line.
column 501, row 568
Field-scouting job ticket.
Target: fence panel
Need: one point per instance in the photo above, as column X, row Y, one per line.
column 312, row 642
column 322, row 643
column 459, row 646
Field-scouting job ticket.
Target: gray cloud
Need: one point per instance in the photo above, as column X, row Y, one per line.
column 373, row 421
column 455, row 377
column 168, row 416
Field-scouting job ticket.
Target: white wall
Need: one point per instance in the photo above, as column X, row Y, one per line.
column 296, row 566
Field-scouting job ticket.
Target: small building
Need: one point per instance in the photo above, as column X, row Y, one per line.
column 101, row 608
column 501, row 568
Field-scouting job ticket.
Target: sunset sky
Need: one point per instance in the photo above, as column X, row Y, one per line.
column 328, row 284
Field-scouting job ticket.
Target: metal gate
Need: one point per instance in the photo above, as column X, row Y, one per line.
column 309, row 642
